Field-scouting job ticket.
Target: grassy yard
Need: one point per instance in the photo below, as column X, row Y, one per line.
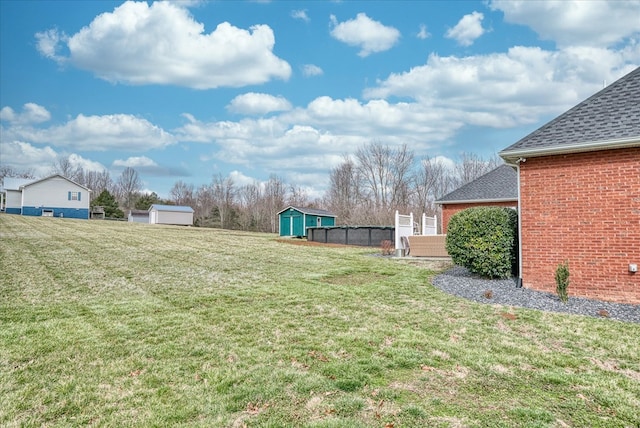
column 116, row 324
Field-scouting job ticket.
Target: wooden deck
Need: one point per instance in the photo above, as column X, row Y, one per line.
column 427, row 246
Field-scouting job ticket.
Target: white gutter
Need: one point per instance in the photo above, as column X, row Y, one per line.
column 475, row 201
column 511, row 156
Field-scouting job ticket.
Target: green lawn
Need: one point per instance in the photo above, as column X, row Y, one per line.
column 117, row 324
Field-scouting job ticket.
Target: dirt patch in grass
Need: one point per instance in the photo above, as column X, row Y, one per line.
column 305, row 243
column 356, row 278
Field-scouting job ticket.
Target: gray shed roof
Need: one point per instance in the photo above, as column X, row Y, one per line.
column 310, row 211
column 139, row 213
column 500, row 184
column 608, row 119
column 172, row 208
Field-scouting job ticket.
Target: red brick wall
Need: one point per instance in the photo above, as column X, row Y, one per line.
column 450, row 209
column 583, row 208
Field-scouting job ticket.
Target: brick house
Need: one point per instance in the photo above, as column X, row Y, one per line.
column 579, row 179
column 497, row 188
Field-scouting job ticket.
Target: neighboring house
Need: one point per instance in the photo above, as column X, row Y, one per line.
column 138, row 216
column 497, row 188
column 294, row 221
column 171, row 214
column 54, row 196
column 579, row 181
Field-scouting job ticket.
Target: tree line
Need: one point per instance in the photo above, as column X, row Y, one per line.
column 364, row 189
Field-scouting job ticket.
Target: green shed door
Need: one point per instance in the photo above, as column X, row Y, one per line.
column 285, row 224
column 297, row 224
column 292, row 223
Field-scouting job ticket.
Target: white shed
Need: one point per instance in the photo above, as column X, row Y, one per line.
column 138, row 216
column 171, row 214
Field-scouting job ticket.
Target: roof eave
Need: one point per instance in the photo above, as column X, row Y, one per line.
column 513, row 156
column 477, row 201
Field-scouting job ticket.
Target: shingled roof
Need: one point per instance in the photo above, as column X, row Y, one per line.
column 500, row 184
column 310, row 211
column 608, row 119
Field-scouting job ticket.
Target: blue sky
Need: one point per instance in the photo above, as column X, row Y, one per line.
column 187, row 90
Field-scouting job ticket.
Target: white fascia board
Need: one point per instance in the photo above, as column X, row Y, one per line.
column 623, row 143
column 476, row 201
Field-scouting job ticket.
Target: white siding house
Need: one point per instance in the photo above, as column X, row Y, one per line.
column 54, row 196
column 171, row 214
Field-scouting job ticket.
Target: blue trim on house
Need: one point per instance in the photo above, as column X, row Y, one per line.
column 12, row 210
column 80, row 213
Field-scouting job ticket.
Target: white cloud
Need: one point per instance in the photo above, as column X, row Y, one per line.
column 95, row 133
column 597, row 23
column 24, row 156
column 48, row 43
column 86, row 164
column 240, row 179
column 300, row 14
column 369, row 35
column 149, row 167
column 510, row 89
column 134, row 162
column 31, row 113
column 309, row 70
column 423, row 33
column 162, row 44
column 468, row 29
column 316, row 137
column 254, row 103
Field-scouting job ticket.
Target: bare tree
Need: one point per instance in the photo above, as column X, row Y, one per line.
column 273, row 200
column 252, row 215
column 432, row 180
column 344, row 192
column 63, row 166
column 223, row 190
column 472, row 166
column 297, row 197
column 8, row 171
column 204, row 204
column 384, row 173
column 129, row 185
column 401, row 165
column 98, row 181
column 182, row 193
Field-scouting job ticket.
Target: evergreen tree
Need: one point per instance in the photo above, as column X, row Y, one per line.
column 145, row 201
column 109, row 203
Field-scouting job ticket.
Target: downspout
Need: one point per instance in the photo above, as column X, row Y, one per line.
column 516, row 165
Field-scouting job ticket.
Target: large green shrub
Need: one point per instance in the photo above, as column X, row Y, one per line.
column 485, row 241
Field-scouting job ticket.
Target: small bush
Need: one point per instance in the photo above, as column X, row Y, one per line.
column 562, row 281
column 386, row 247
column 485, row 241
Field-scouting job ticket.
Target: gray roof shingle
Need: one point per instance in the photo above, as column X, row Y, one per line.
column 310, row 211
column 500, row 184
column 610, row 115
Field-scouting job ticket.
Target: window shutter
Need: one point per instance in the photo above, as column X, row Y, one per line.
column 79, row 193
column 69, row 196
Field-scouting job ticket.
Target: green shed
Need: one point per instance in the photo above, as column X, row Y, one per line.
column 294, row 221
